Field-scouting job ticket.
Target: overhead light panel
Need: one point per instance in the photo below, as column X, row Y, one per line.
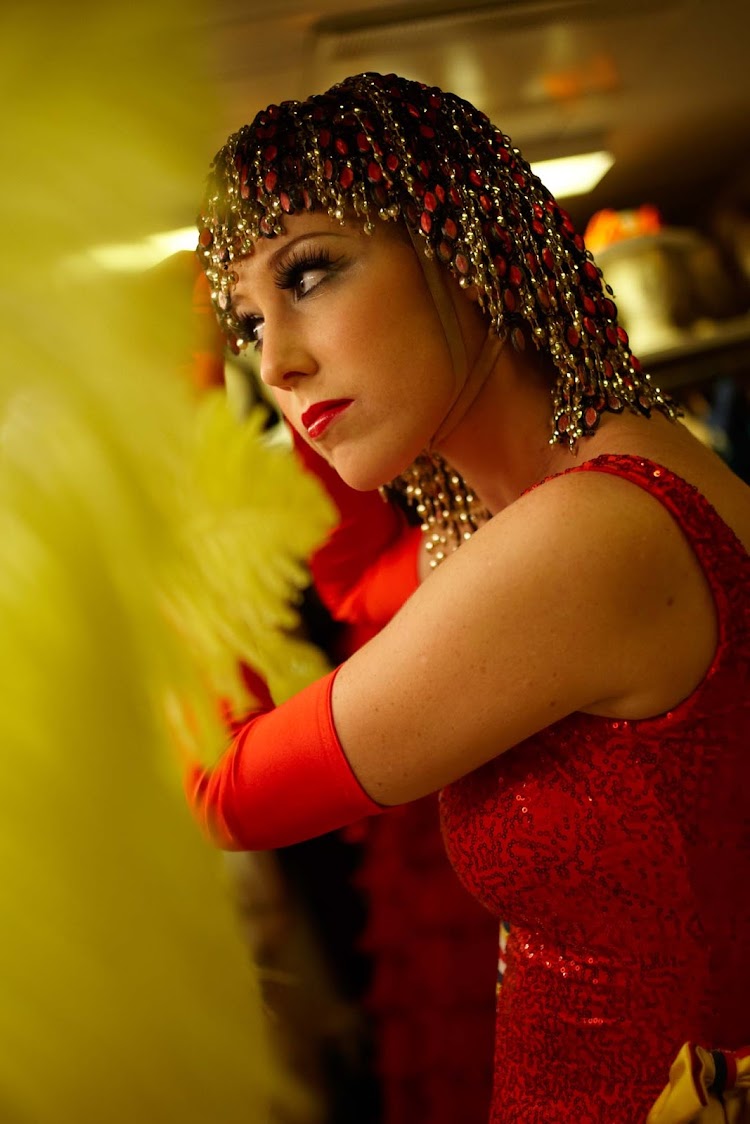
column 573, row 175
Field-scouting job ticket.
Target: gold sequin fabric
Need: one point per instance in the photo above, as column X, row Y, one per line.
column 619, row 851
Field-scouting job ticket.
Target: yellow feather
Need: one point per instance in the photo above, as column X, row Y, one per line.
column 145, row 542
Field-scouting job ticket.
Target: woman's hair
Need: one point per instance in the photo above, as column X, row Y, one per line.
column 387, row 148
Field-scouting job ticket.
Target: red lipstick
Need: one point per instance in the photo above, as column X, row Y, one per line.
column 318, row 417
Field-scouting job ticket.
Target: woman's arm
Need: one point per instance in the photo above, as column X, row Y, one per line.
column 580, row 596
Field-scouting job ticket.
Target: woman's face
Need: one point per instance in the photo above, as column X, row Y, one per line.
column 350, row 341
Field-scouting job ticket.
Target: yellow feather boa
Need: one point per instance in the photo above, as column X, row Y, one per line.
column 145, row 543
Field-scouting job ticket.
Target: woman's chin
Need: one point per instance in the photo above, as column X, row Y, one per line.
column 364, row 477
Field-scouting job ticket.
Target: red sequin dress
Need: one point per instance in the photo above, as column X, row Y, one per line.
column 619, row 852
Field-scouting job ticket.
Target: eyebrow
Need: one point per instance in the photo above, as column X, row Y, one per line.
column 278, row 254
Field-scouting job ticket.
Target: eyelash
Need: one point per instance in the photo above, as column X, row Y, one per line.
column 289, row 273
column 288, row 276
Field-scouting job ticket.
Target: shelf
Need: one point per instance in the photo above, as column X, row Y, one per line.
column 725, row 354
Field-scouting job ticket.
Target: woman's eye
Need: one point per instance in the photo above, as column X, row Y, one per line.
column 251, row 332
column 302, row 273
column 307, row 280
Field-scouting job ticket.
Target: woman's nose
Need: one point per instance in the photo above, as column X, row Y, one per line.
column 284, row 359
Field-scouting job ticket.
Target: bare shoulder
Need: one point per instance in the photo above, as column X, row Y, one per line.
column 642, row 583
column 548, row 609
column 613, row 529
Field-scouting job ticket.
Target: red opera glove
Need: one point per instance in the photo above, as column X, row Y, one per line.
column 283, row 779
column 368, row 566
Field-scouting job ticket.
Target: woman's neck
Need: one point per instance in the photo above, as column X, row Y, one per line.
column 501, row 444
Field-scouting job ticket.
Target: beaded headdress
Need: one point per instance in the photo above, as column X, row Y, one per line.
column 384, row 147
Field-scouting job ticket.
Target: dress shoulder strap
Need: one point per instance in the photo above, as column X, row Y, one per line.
column 722, row 557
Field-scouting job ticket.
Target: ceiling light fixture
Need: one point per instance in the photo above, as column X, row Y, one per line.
column 573, row 175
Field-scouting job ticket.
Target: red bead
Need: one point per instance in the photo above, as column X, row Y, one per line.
column 450, row 230
column 573, row 337
column 391, row 161
column 485, row 203
column 328, row 169
column 515, row 276
column 245, row 191
column 426, row 222
column 430, row 201
column 622, row 336
column 427, row 132
column 270, row 182
column 455, row 196
column 462, row 264
column 363, row 143
column 548, row 258
column 475, row 178
column 589, row 306
column 270, row 153
column 440, row 192
column 346, row 179
column 608, row 369
column 324, row 138
column 341, row 146
column 589, row 325
column 537, row 227
column 435, row 101
column 590, row 417
column 609, row 308
column 591, row 271
column 636, row 363
column 509, row 300
column 412, row 109
column 533, row 262
column 374, row 172
column 519, row 179
column 500, row 264
column 424, row 169
column 444, row 252
column 611, row 334
column 286, row 203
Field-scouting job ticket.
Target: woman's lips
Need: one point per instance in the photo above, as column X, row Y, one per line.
column 317, row 419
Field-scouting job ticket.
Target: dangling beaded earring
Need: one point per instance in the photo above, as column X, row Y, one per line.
column 449, row 510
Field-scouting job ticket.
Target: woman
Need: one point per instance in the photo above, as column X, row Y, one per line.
column 574, row 678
